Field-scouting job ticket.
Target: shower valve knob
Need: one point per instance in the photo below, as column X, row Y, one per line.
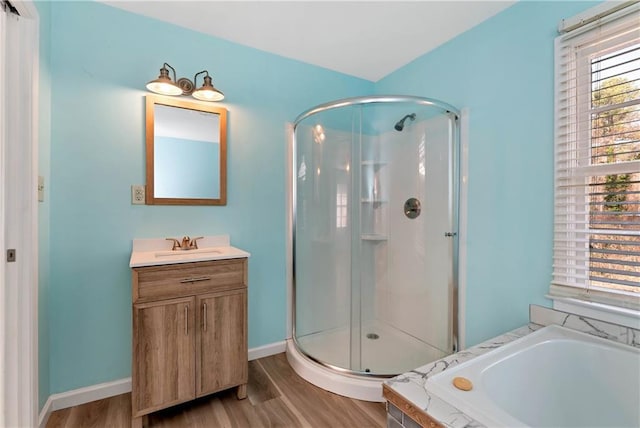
column 412, row 208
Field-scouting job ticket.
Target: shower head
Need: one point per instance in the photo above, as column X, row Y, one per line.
column 400, row 125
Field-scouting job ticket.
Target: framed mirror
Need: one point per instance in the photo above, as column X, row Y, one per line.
column 186, row 152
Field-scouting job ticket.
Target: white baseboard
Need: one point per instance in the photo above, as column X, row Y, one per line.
column 84, row 395
column 87, row 394
column 267, row 350
column 45, row 413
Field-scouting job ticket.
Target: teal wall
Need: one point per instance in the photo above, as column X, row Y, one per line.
column 502, row 71
column 44, row 154
column 101, row 59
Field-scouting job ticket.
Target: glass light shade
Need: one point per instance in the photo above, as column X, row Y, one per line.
column 208, row 95
column 207, row 92
column 164, row 86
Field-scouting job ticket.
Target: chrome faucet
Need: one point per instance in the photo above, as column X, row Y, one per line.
column 186, row 244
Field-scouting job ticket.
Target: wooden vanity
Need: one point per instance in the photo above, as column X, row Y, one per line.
column 189, row 332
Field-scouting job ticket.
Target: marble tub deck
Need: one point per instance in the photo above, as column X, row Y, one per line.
column 409, row 392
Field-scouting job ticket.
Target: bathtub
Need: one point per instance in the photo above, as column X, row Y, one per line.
column 554, row 377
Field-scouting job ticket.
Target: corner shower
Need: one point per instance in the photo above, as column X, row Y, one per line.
column 374, row 240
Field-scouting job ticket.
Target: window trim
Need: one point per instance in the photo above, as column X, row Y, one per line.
column 580, row 36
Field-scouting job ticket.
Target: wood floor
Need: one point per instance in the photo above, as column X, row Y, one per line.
column 277, row 397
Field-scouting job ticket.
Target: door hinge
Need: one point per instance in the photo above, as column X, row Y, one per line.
column 11, row 255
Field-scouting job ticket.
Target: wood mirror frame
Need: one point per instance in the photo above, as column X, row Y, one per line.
column 156, row 100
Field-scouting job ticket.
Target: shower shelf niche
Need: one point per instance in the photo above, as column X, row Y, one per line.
column 373, row 237
column 373, row 163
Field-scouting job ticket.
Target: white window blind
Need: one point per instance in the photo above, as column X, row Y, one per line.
column 597, row 158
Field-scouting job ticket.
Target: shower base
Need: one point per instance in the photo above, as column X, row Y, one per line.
column 393, row 352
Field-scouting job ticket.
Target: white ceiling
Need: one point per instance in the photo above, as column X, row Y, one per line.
column 367, row 39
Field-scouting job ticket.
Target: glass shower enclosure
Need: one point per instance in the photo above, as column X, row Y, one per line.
column 375, row 201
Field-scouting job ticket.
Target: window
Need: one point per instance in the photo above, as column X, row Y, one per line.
column 597, row 161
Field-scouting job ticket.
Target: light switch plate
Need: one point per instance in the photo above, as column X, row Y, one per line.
column 137, row 194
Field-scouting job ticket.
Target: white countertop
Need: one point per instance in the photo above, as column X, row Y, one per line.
column 157, row 251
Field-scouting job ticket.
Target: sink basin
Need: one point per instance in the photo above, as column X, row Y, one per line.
column 182, row 253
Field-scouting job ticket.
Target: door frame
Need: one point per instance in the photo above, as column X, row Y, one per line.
column 19, row 225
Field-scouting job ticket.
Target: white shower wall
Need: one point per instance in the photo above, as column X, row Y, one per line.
column 414, row 295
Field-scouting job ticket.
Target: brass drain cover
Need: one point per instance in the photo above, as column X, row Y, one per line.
column 462, row 383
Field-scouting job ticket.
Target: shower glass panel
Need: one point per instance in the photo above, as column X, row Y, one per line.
column 374, row 242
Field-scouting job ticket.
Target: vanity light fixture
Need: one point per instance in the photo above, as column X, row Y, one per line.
column 163, row 85
column 207, row 92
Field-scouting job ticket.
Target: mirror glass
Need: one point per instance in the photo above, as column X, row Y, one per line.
column 186, row 152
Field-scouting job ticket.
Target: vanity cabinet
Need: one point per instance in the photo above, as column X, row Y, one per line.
column 189, row 332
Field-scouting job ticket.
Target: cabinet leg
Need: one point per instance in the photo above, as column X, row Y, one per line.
column 137, row 422
column 242, row 391
column 140, row 421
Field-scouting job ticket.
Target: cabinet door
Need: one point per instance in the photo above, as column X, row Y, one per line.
column 164, row 354
column 222, row 360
